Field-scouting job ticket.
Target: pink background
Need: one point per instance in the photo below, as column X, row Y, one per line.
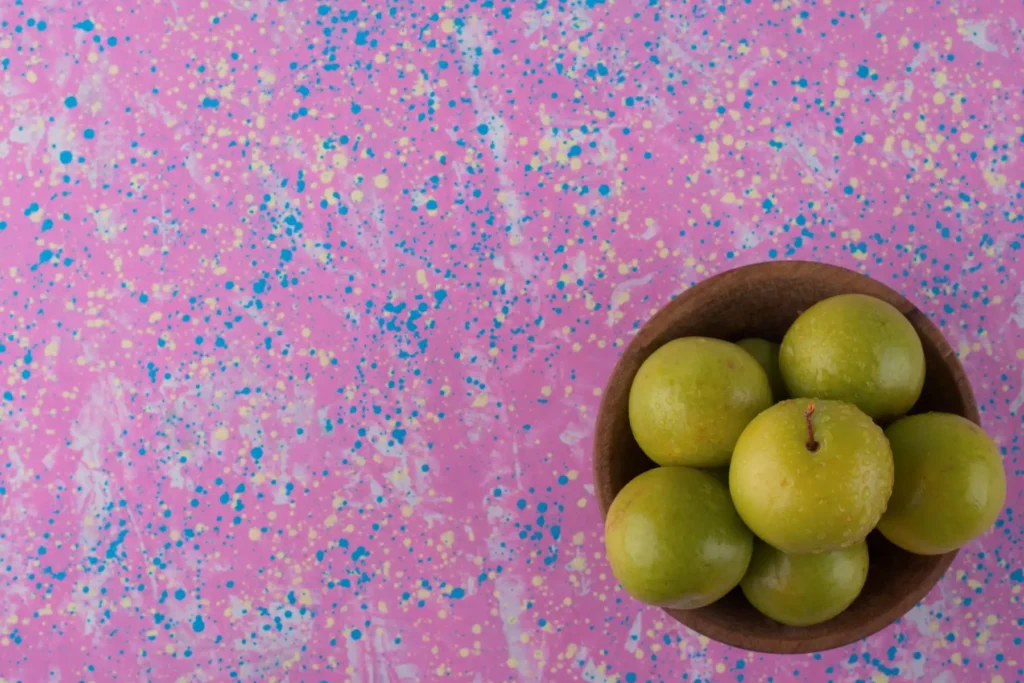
column 305, row 312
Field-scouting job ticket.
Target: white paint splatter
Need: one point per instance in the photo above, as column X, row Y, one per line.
column 620, row 295
column 634, row 633
column 510, row 608
column 1018, row 303
column 974, row 32
column 1019, row 401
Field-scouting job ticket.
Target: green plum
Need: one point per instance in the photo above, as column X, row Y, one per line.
column 810, row 476
column 801, row 590
column 691, row 399
column 857, row 349
column 950, row 484
column 767, row 354
column 674, row 539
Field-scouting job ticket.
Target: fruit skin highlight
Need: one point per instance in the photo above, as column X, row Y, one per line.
column 691, row 399
column 674, row 540
column 766, row 353
column 801, row 590
column 950, row 483
column 857, row 349
column 811, row 476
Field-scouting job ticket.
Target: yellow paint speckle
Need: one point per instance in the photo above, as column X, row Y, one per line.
column 380, row 181
column 712, row 154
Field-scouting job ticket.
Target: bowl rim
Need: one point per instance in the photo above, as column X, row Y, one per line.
column 642, row 339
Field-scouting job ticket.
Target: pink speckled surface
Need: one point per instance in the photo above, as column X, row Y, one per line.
column 306, row 307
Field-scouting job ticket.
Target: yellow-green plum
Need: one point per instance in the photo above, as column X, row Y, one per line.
column 674, row 539
column 767, row 354
column 950, row 484
column 858, row 349
column 810, row 476
column 691, row 399
column 801, row 590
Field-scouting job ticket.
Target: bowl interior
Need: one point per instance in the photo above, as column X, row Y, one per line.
column 763, row 300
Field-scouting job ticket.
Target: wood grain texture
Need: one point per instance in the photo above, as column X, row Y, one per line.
column 763, row 300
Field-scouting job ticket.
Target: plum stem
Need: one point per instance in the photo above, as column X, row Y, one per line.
column 812, row 443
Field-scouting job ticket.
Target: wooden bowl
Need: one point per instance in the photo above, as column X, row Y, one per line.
column 762, row 300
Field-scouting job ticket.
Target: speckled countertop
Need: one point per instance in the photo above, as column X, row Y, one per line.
column 305, row 311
